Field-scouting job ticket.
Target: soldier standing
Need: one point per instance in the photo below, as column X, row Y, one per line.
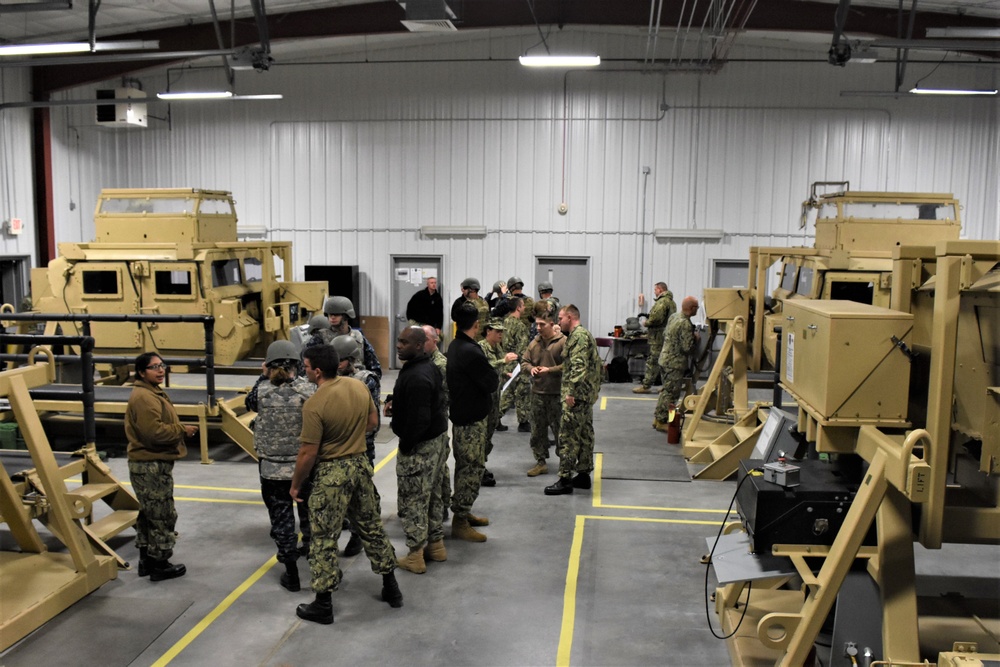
column 543, row 363
column 350, row 365
column 334, row 422
column 498, row 361
column 471, row 381
column 515, row 287
column 470, row 292
column 515, row 340
column 656, row 323
column 581, row 385
column 277, row 398
column 155, row 440
column 678, row 343
column 338, row 309
column 441, row 362
column 420, row 419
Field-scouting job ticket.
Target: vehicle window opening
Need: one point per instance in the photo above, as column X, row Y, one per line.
column 225, row 272
column 852, row 291
column 173, row 282
column 100, row 282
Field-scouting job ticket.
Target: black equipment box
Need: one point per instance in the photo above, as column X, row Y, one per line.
column 811, row 513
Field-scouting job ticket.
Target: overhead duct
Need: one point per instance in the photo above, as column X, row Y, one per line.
column 428, row 16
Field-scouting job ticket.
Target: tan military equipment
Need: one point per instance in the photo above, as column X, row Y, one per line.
column 175, row 251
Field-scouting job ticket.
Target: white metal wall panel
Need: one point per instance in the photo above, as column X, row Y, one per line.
column 359, row 157
column 16, row 165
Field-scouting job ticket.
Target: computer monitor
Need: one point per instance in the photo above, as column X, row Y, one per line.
column 775, row 437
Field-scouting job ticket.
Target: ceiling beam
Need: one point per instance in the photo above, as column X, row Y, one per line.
column 384, row 18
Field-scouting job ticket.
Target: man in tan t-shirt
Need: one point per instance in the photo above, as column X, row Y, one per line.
column 334, row 422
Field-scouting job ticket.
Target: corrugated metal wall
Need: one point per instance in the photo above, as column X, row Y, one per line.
column 16, row 176
column 358, row 157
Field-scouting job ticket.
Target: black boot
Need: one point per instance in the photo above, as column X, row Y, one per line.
column 524, row 427
column 161, row 570
column 290, row 579
column 581, row 481
column 304, row 549
column 564, row 485
column 143, row 561
column 488, row 479
column 319, row 610
column 501, row 427
column 390, row 591
column 354, row 546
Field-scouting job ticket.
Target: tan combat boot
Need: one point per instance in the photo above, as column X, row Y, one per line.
column 413, row 561
column 659, row 426
column 539, row 469
column 436, row 552
column 641, row 389
column 461, row 530
column 477, row 520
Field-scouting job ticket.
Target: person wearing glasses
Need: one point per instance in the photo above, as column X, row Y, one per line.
column 155, row 440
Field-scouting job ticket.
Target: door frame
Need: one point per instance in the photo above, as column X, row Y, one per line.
column 393, row 324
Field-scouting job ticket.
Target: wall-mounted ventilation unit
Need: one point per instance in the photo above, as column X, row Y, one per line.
column 123, row 112
column 428, row 16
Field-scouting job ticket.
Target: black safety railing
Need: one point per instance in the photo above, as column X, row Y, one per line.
column 207, row 321
column 86, row 395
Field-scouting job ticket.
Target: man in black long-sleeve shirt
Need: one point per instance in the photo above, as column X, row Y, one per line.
column 419, row 419
column 471, row 383
column 426, row 306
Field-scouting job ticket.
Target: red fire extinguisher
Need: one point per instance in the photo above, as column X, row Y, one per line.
column 675, row 423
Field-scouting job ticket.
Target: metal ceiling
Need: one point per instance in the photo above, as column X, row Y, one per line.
column 186, row 26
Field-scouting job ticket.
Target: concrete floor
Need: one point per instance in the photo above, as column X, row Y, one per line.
column 609, row 576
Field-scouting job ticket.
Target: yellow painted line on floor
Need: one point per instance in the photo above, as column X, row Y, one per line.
column 604, row 402
column 599, row 503
column 214, row 614
column 384, row 462
column 573, row 573
column 569, row 596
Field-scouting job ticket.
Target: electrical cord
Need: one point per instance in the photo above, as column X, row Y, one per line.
column 708, row 565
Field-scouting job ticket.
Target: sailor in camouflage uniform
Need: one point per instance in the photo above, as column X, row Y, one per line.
column 656, row 323
column 155, row 440
column 515, row 339
column 338, row 309
column 351, row 366
column 320, row 333
column 678, row 344
column 499, row 360
column 542, row 362
column 515, row 287
column 470, row 293
column 581, row 385
column 441, row 362
column 334, row 422
column 277, row 398
column 420, row 420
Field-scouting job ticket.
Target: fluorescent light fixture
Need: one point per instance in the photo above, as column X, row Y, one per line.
column 75, row 47
column 560, row 61
column 951, row 91
column 964, row 33
column 693, row 234
column 452, row 230
column 197, row 95
column 267, row 96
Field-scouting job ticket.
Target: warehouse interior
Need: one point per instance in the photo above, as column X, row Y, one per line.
column 390, row 141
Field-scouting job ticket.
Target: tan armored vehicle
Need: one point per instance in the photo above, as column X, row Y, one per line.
column 174, row 251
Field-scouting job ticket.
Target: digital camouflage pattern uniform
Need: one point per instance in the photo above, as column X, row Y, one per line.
column 528, row 314
column 441, row 362
column 343, row 487
column 467, row 442
column 678, row 343
column 484, row 315
column 495, row 356
column 515, row 339
column 656, row 324
column 276, row 432
column 422, row 520
column 581, row 379
column 374, row 384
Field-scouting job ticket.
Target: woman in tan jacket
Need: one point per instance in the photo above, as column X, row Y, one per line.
column 155, row 440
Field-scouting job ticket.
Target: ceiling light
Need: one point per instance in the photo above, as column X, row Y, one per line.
column 560, row 61
column 951, row 91
column 267, row 96
column 197, row 95
column 75, row 47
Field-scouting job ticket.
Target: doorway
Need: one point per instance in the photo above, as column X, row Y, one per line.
column 570, row 278
column 14, row 280
column 409, row 276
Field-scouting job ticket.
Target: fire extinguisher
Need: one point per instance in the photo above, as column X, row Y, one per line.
column 675, row 423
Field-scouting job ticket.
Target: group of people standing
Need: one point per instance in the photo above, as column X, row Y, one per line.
column 318, row 410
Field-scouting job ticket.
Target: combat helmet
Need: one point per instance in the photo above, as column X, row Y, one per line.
column 471, row 283
column 281, row 350
column 514, row 282
column 318, row 322
column 544, row 286
column 346, row 347
column 496, row 287
column 338, row 305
